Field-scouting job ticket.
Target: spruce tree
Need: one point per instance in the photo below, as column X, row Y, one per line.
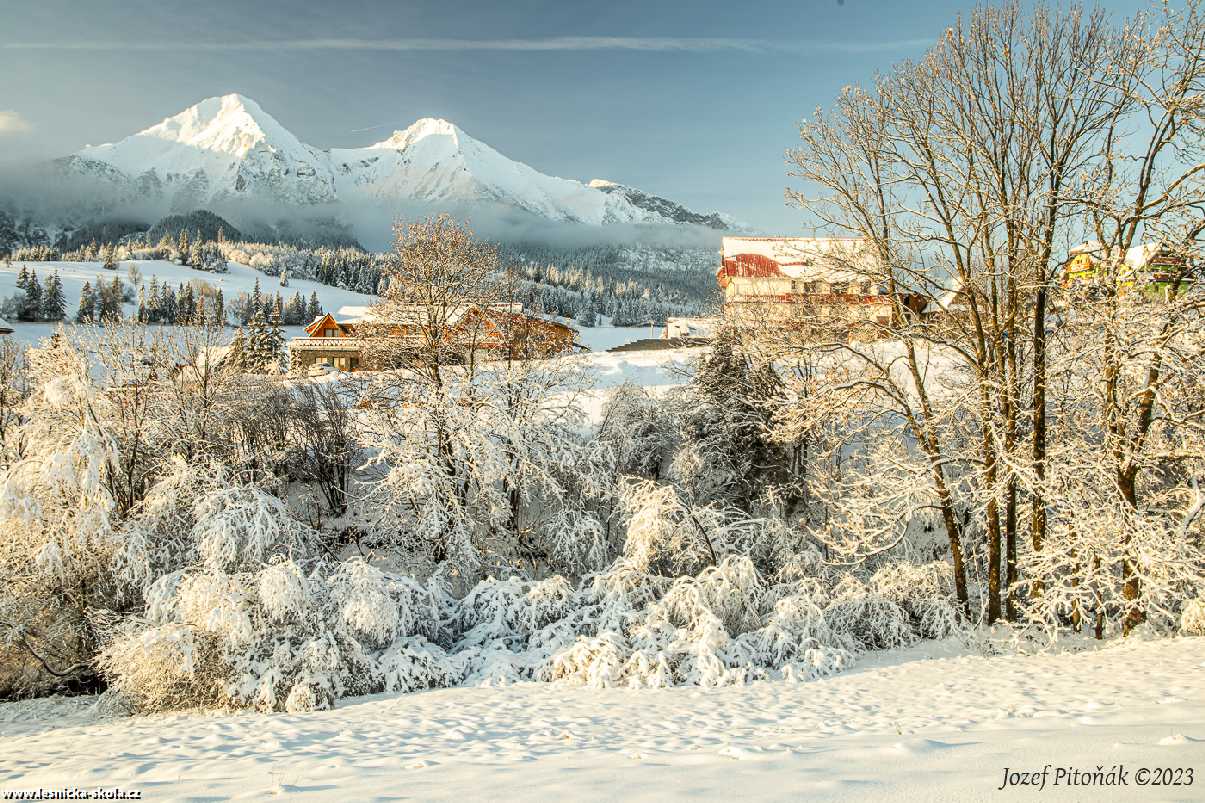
column 274, row 344
column 31, row 309
column 185, row 305
column 108, row 300
column 257, row 300
column 315, row 310
column 152, row 300
column 167, row 304
column 87, row 305
column 236, row 356
column 54, row 304
column 295, row 311
column 219, row 309
column 255, row 348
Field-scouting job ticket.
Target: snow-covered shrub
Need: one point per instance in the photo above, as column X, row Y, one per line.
column 506, row 629
column 664, row 535
column 376, row 607
column 241, row 526
column 864, row 619
column 721, row 627
column 614, row 599
column 796, row 624
column 279, row 639
column 1192, row 618
column 925, row 592
column 639, row 430
column 165, row 667
column 595, row 661
column 487, row 470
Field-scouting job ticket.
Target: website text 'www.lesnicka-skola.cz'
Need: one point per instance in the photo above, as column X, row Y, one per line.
column 72, row 793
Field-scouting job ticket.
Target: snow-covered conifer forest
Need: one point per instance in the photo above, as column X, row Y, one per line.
column 820, row 556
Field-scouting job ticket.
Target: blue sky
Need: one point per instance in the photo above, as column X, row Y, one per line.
column 697, row 101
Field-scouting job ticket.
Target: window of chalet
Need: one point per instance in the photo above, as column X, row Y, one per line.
column 840, row 288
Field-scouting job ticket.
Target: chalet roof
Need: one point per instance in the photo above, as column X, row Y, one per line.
column 417, row 315
column 319, row 323
column 5, row 327
column 838, row 259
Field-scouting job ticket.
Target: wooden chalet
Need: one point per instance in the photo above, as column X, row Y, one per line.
column 327, row 342
column 496, row 330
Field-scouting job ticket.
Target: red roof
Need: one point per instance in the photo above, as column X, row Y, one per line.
column 751, row 266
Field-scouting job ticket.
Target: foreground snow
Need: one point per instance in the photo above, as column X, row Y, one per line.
column 925, row 723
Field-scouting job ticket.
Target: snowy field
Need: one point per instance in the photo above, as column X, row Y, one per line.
column 927, row 723
column 239, row 279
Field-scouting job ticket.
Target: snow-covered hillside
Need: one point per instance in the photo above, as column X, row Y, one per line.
column 239, row 279
column 930, row 723
column 228, row 148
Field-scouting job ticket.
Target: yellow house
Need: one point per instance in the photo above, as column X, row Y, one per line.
column 1153, row 268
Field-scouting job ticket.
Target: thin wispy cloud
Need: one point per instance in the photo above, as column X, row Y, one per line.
column 656, row 44
column 13, row 123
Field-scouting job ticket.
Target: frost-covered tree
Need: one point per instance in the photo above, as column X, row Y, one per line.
column 321, row 424
column 727, row 448
column 57, row 510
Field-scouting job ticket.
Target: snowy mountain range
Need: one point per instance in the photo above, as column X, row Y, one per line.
column 227, row 149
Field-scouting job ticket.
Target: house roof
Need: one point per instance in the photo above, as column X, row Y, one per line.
column 320, row 323
column 417, row 314
column 948, row 300
column 808, row 258
column 414, row 313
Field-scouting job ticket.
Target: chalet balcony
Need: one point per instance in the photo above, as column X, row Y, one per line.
column 325, row 343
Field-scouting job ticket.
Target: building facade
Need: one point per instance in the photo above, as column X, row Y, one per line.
column 1150, row 268
column 829, row 282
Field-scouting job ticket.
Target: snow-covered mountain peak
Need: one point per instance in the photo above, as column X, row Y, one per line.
column 228, row 147
column 425, row 128
column 232, row 124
